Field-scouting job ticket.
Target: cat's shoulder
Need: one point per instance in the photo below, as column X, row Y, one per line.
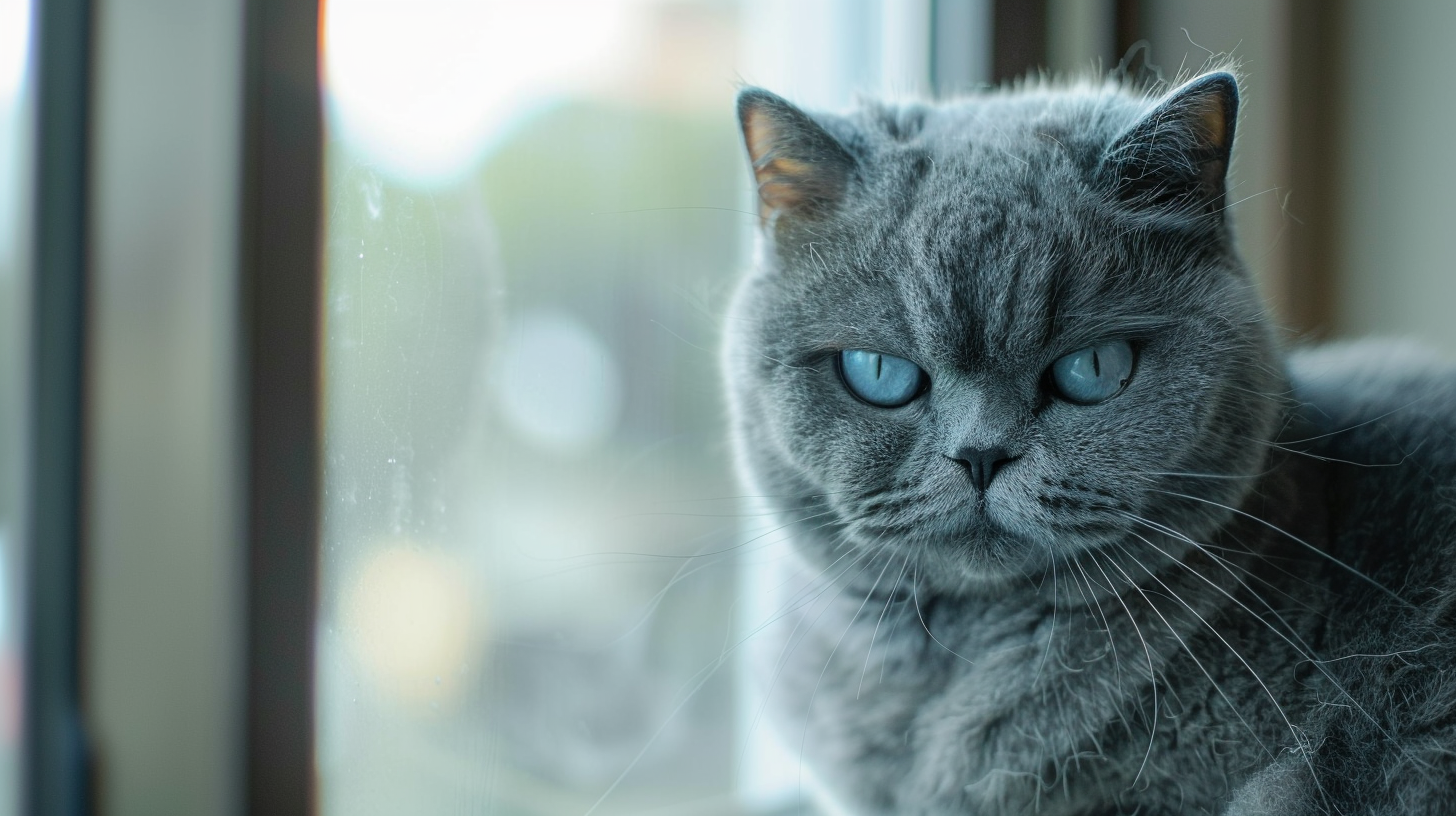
column 1373, row 398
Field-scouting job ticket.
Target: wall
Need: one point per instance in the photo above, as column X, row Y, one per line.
column 1396, row 213
column 161, row 589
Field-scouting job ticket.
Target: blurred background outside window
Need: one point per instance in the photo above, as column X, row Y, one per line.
column 533, row 214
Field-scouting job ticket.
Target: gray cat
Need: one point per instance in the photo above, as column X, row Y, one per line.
column 1070, row 533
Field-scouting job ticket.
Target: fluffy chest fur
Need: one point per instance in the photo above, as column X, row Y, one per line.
column 1074, row 695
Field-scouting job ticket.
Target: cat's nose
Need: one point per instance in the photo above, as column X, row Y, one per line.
column 982, row 464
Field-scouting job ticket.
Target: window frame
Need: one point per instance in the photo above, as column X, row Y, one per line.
column 275, row 370
column 279, row 299
column 55, row 776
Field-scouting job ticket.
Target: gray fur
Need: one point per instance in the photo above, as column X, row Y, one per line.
column 1224, row 591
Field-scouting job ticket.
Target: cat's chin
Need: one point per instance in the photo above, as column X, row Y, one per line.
column 983, row 559
column 991, row 559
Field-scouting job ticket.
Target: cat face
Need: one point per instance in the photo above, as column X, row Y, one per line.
column 988, row 335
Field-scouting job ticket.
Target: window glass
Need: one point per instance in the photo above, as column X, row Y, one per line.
column 16, row 120
column 535, row 212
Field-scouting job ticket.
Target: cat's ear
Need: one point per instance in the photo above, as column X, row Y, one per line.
column 800, row 168
column 1176, row 158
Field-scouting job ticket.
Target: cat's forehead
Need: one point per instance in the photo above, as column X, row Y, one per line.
column 969, row 291
column 987, row 231
column 991, row 240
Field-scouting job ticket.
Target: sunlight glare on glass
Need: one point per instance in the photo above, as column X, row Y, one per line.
column 14, row 59
column 421, row 88
column 14, row 51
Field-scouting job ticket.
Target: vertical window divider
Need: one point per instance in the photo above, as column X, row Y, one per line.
column 280, row 296
column 56, row 765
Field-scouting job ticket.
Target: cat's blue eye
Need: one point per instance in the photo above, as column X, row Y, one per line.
column 880, row 379
column 1095, row 373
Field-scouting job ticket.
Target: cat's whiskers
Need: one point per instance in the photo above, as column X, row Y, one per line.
column 1091, row 601
column 683, row 573
column 1301, row 743
column 1233, row 477
column 919, row 613
column 1182, row 643
column 1248, row 197
column 899, row 616
column 622, row 558
column 1052, row 631
column 819, row 495
column 1296, row 539
column 696, row 682
column 1228, row 565
column 808, row 599
column 1212, row 550
column 778, row 362
column 1293, row 639
column 889, row 599
column 1172, row 593
column 1285, row 397
column 1319, row 458
column 829, row 660
column 1152, row 671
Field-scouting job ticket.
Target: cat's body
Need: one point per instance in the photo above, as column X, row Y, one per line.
column 1223, row 589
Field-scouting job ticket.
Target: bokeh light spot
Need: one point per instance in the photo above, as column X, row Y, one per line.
column 558, row 386
column 412, row 624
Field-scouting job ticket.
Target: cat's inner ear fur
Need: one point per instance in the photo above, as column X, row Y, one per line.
column 800, row 168
column 1176, row 158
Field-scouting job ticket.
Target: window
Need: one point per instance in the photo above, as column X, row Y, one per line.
column 489, row 416
column 531, row 229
